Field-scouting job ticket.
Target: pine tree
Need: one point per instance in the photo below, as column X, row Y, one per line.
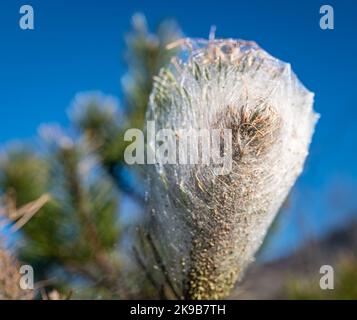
column 65, row 191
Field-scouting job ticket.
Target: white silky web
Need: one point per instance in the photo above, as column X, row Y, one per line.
column 209, row 226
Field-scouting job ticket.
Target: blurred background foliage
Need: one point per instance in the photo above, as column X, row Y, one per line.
column 74, row 240
column 63, row 208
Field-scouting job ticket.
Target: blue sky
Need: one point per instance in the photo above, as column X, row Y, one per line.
column 78, row 45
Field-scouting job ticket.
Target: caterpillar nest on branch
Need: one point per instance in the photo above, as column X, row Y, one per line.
column 208, row 226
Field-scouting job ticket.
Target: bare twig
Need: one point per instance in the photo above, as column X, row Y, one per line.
column 148, row 274
column 162, row 266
